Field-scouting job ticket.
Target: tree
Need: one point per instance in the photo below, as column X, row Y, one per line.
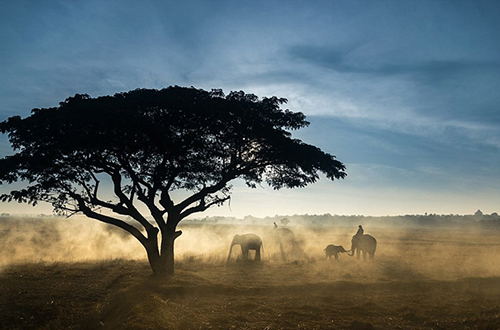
column 147, row 144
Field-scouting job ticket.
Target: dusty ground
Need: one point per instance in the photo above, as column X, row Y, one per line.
column 420, row 279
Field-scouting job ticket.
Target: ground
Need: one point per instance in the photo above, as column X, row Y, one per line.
column 419, row 279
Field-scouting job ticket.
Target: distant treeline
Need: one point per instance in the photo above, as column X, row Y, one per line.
column 410, row 220
column 434, row 220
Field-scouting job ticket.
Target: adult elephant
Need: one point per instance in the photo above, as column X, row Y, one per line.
column 289, row 245
column 363, row 243
column 247, row 242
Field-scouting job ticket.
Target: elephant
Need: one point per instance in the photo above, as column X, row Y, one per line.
column 334, row 250
column 247, row 242
column 363, row 243
column 289, row 245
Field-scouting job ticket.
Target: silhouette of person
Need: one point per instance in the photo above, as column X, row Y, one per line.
column 275, row 225
column 360, row 231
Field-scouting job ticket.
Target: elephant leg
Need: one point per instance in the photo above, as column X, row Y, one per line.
column 229, row 254
column 244, row 252
column 364, row 255
column 257, row 254
column 336, row 256
column 357, row 253
column 282, row 252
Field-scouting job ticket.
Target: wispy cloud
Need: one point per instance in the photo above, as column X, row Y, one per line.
column 344, row 61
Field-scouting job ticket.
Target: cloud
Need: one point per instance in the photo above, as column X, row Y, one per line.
column 439, row 99
column 429, row 72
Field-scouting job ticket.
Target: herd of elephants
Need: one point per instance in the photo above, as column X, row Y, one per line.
column 360, row 243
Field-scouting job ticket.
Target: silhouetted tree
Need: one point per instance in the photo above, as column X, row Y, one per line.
column 285, row 221
column 150, row 143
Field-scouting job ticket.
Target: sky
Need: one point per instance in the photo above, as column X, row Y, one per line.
column 404, row 93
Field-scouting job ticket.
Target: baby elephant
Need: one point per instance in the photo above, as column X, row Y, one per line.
column 334, row 250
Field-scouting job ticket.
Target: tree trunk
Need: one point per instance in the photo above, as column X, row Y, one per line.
column 162, row 260
column 167, row 252
column 154, row 258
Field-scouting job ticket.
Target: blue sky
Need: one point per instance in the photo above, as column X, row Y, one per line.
column 405, row 93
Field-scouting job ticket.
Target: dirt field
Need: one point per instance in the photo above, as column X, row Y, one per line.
column 419, row 279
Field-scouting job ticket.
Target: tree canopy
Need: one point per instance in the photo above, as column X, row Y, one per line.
column 149, row 143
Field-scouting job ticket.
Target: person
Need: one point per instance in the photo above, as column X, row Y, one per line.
column 360, row 231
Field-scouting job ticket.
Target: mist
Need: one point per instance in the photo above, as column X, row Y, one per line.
column 27, row 240
column 403, row 253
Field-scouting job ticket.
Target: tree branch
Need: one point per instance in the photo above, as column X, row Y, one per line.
column 203, row 206
column 149, row 198
column 203, row 193
column 131, row 209
column 85, row 209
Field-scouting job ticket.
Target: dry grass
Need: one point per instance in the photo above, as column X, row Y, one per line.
column 420, row 279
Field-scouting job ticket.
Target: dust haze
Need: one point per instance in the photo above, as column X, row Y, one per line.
column 403, row 253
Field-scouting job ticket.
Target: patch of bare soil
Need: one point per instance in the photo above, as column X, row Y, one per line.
column 122, row 295
column 56, row 295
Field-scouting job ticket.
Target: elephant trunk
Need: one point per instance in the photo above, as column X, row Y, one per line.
column 343, row 250
column 229, row 254
column 354, row 245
